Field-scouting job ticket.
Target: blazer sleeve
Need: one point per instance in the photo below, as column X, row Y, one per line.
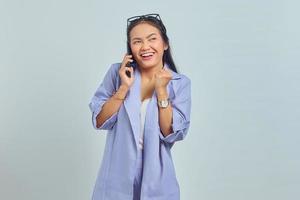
column 105, row 90
column 181, row 107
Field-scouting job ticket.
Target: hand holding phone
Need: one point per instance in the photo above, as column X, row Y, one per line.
column 126, row 70
column 132, row 64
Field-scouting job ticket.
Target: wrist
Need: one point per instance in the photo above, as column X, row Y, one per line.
column 163, row 103
column 162, row 93
column 123, row 88
column 122, row 92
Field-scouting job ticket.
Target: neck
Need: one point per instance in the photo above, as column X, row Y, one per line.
column 149, row 73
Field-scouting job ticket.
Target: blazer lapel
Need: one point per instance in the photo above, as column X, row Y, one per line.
column 132, row 105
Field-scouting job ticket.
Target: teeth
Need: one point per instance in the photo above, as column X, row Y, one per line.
column 147, row 54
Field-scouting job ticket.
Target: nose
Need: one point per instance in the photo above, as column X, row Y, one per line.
column 145, row 46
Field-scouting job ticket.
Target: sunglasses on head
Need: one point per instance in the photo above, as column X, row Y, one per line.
column 152, row 17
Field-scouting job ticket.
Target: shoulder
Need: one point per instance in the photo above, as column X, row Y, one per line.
column 114, row 68
column 180, row 80
column 112, row 72
column 180, row 85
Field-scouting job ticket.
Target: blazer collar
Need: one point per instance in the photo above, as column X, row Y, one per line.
column 175, row 76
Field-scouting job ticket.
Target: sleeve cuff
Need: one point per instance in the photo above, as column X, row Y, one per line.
column 179, row 132
column 108, row 124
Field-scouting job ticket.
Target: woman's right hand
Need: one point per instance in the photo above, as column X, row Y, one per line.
column 125, row 80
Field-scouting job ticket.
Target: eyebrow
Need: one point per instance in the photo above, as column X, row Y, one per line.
column 137, row 38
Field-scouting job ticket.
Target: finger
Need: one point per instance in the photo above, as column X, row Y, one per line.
column 131, row 71
column 126, row 61
column 127, row 56
column 166, row 69
column 161, row 72
column 122, row 69
column 158, row 75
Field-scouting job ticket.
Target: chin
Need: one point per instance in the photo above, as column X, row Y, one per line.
column 148, row 64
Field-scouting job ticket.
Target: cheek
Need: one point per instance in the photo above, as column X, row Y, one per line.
column 134, row 49
column 159, row 46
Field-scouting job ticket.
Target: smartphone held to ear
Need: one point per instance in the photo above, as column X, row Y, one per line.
column 130, row 64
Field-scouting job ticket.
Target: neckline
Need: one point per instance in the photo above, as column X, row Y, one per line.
column 145, row 100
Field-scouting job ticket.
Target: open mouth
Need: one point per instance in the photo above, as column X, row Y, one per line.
column 147, row 56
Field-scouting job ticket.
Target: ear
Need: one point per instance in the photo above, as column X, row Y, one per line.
column 166, row 47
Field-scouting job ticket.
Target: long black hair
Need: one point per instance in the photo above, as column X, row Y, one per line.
column 154, row 20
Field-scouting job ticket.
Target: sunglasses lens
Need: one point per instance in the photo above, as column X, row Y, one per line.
column 131, row 19
column 153, row 17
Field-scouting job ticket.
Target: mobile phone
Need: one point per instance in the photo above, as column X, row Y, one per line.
column 130, row 64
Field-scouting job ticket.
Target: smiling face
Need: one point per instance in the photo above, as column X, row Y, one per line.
column 147, row 46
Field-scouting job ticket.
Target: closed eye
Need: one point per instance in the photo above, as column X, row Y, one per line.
column 136, row 42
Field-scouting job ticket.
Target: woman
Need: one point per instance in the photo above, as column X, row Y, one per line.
column 146, row 109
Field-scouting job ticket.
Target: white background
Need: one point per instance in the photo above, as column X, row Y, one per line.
column 242, row 58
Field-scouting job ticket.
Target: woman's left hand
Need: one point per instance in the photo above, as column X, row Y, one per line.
column 162, row 78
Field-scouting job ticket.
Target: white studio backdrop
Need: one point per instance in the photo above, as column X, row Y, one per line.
column 242, row 58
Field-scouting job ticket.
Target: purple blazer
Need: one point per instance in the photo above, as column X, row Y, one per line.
column 116, row 175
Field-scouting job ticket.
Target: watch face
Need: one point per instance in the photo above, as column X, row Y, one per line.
column 163, row 103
